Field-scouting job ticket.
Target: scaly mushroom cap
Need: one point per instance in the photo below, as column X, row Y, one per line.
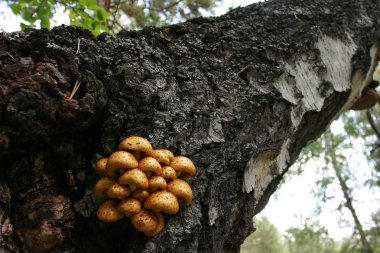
column 129, row 206
column 120, row 161
column 100, row 167
column 368, row 99
column 140, row 193
column 134, row 178
column 101, row 187
column 182, row 190
column 108, row 212
column 162, row 201
column 184, row 167
column 160, row 155
column 169, row 154
column 144, row 221
column 150, row 164
column 156, row 183
column 168, row 173
column 117, row 191
column 160, row 225
column 136, row 143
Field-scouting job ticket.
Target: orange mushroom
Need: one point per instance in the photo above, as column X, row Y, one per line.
column 144, row 221
column 101, row 187
column 160, row 155
column 184, row 167
column 135, row 178
column 182, row 190
column 162, row 201
column 100, row 166
column 120, row 161
column 108, row 212
column 156, row 183
column 149, row 165
column 129, row 206
column 117, row 191
column 137, row 145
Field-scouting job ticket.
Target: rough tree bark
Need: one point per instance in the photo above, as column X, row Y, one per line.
column 240, row 94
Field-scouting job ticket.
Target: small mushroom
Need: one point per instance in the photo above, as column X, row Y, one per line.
column 100, row 166
column 182, row 190
column 137, row 145
column 184, row 167
column 119, row 161
column 108, row 212
column 149, row 164
column 129, row 206
column 101, row 187
column 160, row 225
column 160, row 155
column 140, row 194
column 156, row 183
column 168, row 173
column 117, row 191
column 135, row 178
column 162, row 201
column 144, row 221
column 169, row 154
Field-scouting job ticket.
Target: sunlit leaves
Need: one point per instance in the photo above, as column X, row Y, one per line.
column 85, row 13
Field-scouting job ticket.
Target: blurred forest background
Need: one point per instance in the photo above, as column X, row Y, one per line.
column 344, row 162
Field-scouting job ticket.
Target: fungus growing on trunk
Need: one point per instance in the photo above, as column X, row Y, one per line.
column 134, row 177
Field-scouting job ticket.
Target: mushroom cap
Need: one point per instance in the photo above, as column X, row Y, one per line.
column 169, row 154
column 136, row 143
column 100, row 166
column 129, row 206
column 101, row 187
column 168, row 173
column 134, row 177
column 162, row 201
column 120, row 160
column 108, row 212
column 117, row 191
column 368, row 99
column 140, row 193
column 160, row 155
column 160, row 225
column 144, row 221
column 157, row 182
column 182, row 190
column 150, row 164
column 184, row 166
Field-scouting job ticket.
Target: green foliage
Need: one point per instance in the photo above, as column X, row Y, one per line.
column 85, row 13
column 265, row 239
column 110, row 16
column 312, row 238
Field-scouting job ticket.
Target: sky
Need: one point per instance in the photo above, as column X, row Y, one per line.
column 293, row 200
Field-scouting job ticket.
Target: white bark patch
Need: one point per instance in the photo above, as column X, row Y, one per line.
column 336, row 55
column 304, row 80
column 261, row 169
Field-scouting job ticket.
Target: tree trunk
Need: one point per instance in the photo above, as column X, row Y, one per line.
column 337, row 167
column 239, row 94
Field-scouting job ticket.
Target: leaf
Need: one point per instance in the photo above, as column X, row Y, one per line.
column 24, row 26
column 16, row 8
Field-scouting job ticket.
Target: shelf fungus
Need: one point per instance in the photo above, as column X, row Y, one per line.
column 141, row 183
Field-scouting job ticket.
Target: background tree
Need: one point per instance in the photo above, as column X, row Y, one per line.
column 111, row 16
column 266, row 239
column 334, row 153
column 310, row 238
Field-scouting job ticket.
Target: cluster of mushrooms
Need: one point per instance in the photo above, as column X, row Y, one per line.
column 142, row 183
